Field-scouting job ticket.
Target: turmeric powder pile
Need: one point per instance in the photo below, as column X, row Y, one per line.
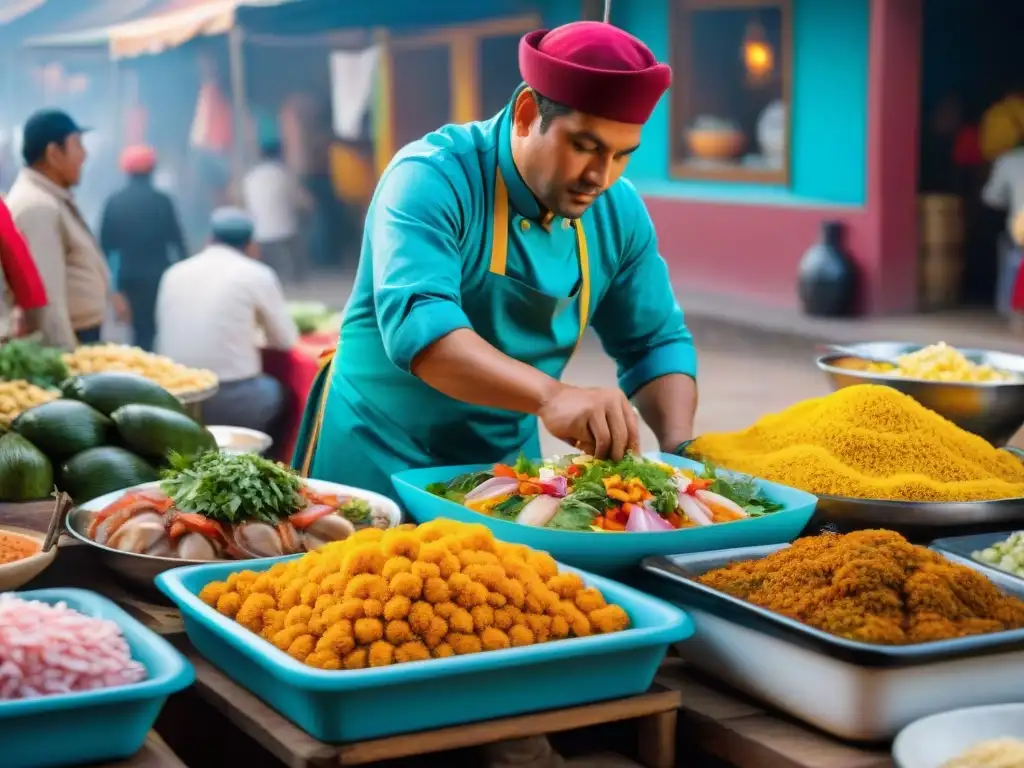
column 867, row 442
column 412, row 593
column 872, row 586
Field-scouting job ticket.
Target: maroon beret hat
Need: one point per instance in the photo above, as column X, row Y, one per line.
column 594, row 68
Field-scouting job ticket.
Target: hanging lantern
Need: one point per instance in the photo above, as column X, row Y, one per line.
column 758, row 54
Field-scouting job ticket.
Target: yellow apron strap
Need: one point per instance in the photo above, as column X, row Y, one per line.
column 499, row 228
column 499, row 249
column 326, row 369
column 581, row 241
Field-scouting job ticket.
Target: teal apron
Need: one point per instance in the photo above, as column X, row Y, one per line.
column 349, row 438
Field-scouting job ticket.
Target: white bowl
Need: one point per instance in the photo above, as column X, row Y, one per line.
column 19, row 573
column 931, row 741
column 241, row 440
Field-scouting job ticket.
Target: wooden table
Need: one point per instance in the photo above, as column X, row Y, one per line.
column 740, row 733
column 707, row 725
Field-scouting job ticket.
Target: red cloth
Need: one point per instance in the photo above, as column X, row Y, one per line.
column 967, row 148
column 1017, row 299
column 19, row 270
column 138, row 159
column 594, row 68
column 296, row 369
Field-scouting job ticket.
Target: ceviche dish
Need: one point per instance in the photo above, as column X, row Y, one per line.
column 581, row 493
column 229, row 507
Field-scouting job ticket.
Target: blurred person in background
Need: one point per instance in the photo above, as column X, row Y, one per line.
column 21, row 287
column 65, row 252
column 211, row 309
column 276, row 200
column 1002, row 124
column 141, row 236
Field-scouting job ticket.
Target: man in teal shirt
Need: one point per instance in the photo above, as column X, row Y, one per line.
column 488, row 249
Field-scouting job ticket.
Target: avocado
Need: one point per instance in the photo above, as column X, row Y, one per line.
column 154, row 432
column 106, row 392
column 97, row 471
column 25, row 472
column 63, row 428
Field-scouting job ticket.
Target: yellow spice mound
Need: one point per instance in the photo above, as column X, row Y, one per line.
column 412, row 593
column 868, row 442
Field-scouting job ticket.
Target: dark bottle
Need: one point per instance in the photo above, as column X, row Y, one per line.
column 827, row 278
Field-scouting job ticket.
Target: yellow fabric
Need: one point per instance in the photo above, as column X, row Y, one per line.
column 351, row 175
column 1002, row 127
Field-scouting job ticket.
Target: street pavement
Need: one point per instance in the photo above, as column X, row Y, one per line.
column 743, row 372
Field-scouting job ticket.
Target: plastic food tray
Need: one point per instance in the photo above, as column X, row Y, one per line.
column 93, row 726
column 612, row 553
column 964, row 547
column 346, row 706
column 857, row 691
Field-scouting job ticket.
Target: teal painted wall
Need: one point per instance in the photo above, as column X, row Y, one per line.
column 829, row 116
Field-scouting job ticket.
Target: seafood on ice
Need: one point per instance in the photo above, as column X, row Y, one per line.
column 48, row 649
column 148, row 522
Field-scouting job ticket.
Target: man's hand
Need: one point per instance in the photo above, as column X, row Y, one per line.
column 597, row 421
column 122, row 309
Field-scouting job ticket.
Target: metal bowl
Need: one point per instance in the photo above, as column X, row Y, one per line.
column 904, row 516
column 932, row 741
column 140, row 570
column 241, row 440
column 992, row 410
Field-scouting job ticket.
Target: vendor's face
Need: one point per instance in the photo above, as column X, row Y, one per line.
column 573, row 159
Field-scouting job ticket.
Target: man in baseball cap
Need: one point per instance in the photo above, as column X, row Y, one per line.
column 73, row 268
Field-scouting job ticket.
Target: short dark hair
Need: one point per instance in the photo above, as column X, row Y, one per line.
column 549, row 110
column 33, row 154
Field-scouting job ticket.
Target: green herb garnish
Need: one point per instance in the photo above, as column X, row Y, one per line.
column 510, row 508
column 232, row 488
column 457, row 488
column 356, row 510
column 741, row 489
column 526, row 467
column 28, row 360
column 573, row 515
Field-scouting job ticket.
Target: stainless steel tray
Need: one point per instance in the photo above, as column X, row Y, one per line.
column 857, row 691
column 962, row 549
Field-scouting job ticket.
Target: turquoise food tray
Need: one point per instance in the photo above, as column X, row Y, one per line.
column 347, row 706
column 93, row 726
column 612, row 553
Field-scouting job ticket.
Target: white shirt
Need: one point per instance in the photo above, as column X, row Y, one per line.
column 1005, row 187
column 210, row 307
column 273, row 198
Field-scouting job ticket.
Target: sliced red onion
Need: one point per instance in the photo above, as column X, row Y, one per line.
column 556, row 486
column 489, row 489
column 539, row 511
column 694, row 510
column 718, row 500
column 643, row 519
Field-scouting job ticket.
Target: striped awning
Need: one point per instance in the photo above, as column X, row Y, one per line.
column 13, row 9
column 165, row 25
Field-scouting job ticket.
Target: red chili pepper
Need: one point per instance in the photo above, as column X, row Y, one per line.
column 189, row 522
column 310, row 515
column 504, row 470
column 573, row 470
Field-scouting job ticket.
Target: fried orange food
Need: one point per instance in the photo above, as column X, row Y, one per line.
column 410, row 594
column 872, row 586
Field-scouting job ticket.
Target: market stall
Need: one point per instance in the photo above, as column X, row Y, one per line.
column 861, row 636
